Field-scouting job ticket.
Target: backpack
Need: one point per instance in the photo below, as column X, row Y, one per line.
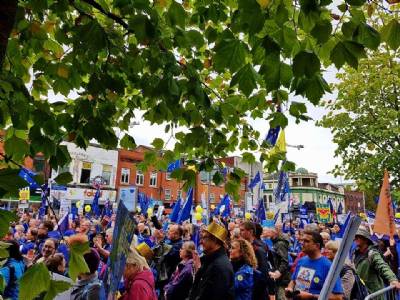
column 359, row 290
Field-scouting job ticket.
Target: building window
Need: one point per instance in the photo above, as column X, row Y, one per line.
column 168, row 176
column 125, row 173
column 212, row 197
column 167, row 194
column 139, row 177
column 106, row 174
column 38, row 164
column 270, row 198
column 179, row 194
column 85, row 174
column 204, row 176
column 153, row 179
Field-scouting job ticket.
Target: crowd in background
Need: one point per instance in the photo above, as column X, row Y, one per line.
column 230, row 258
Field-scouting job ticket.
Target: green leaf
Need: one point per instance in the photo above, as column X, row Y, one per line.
column 297, row 108
column 276, row 74
column 16, row 147
column 34, row 281
column 177, row 14
column 92, row 35
column 128, row 142
column 230, row 53
column 5, row 218
column 2, row 284
column 288, row 166
column 10, row 181
column 56, row 287
column 246, row 77
column 195, row 38
column 248, row 157
column 158, row 143
column 251, row 16
column 142, row 27
column 367, row 36
column 63, row 178
column 322, row 31
column 3, row 249
column 306, row 63
column 347, row 52
column 77, row 264
column 391, row 34
column 217, row 178
column 278, row 119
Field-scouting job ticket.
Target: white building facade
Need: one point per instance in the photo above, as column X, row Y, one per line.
column 86, row 165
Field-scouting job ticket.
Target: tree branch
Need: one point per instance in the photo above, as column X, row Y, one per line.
column 8, row 11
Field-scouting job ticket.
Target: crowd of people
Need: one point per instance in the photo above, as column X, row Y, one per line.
column 229, row 258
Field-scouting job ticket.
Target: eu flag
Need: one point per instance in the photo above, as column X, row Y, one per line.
column 260, row 212
column 184, row 214
column 175, row 211
column 255, row 180
column 174, row 165
column 95, row 203
column 272, row 135
column 28, row 176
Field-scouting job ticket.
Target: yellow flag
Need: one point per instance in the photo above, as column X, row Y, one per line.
column 384, row 218
column 280, row 146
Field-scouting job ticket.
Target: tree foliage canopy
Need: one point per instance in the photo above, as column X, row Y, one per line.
column 365, row 118
column 205, row 65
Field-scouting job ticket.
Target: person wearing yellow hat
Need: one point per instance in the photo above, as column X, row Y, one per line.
column 214, row 279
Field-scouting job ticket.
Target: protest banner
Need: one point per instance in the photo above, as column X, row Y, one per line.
column 323, row 213
column 122, row 238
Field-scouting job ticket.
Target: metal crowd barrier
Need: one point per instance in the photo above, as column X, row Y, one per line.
column 387, row 293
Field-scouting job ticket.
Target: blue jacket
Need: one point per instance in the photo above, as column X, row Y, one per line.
column 244, row 283
column 12, row 271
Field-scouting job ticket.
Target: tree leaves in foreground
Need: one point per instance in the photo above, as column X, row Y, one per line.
column 34, row 281
column 77, row 263
column 202, row 69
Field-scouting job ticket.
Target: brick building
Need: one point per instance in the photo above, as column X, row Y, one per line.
column 354, row 201
column 159, row 185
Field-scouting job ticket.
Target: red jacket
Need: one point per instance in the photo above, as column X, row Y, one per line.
column 141, row 287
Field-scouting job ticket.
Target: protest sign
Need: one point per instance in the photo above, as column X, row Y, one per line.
column 129, row 196
column 122, row 238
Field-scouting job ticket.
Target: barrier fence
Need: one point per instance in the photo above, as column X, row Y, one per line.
column 387, row 293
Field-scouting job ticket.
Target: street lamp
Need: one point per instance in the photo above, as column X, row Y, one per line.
column 298, row 147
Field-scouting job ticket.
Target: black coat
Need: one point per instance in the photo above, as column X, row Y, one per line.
column 172, row 258
column 214, row 280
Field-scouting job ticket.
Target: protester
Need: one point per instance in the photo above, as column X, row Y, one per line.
column 181, row 281
column 214, row 279
column 347, row 273
column 244, row 264
column 48, row 249
column 139, row 280
column 12, row 271
column 89, row 287
column 264, row 285
column 370, row 266
column 311, row 271
column 280, row 255
column 56, row 264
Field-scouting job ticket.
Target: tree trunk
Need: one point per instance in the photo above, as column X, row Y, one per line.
column 8, row 10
